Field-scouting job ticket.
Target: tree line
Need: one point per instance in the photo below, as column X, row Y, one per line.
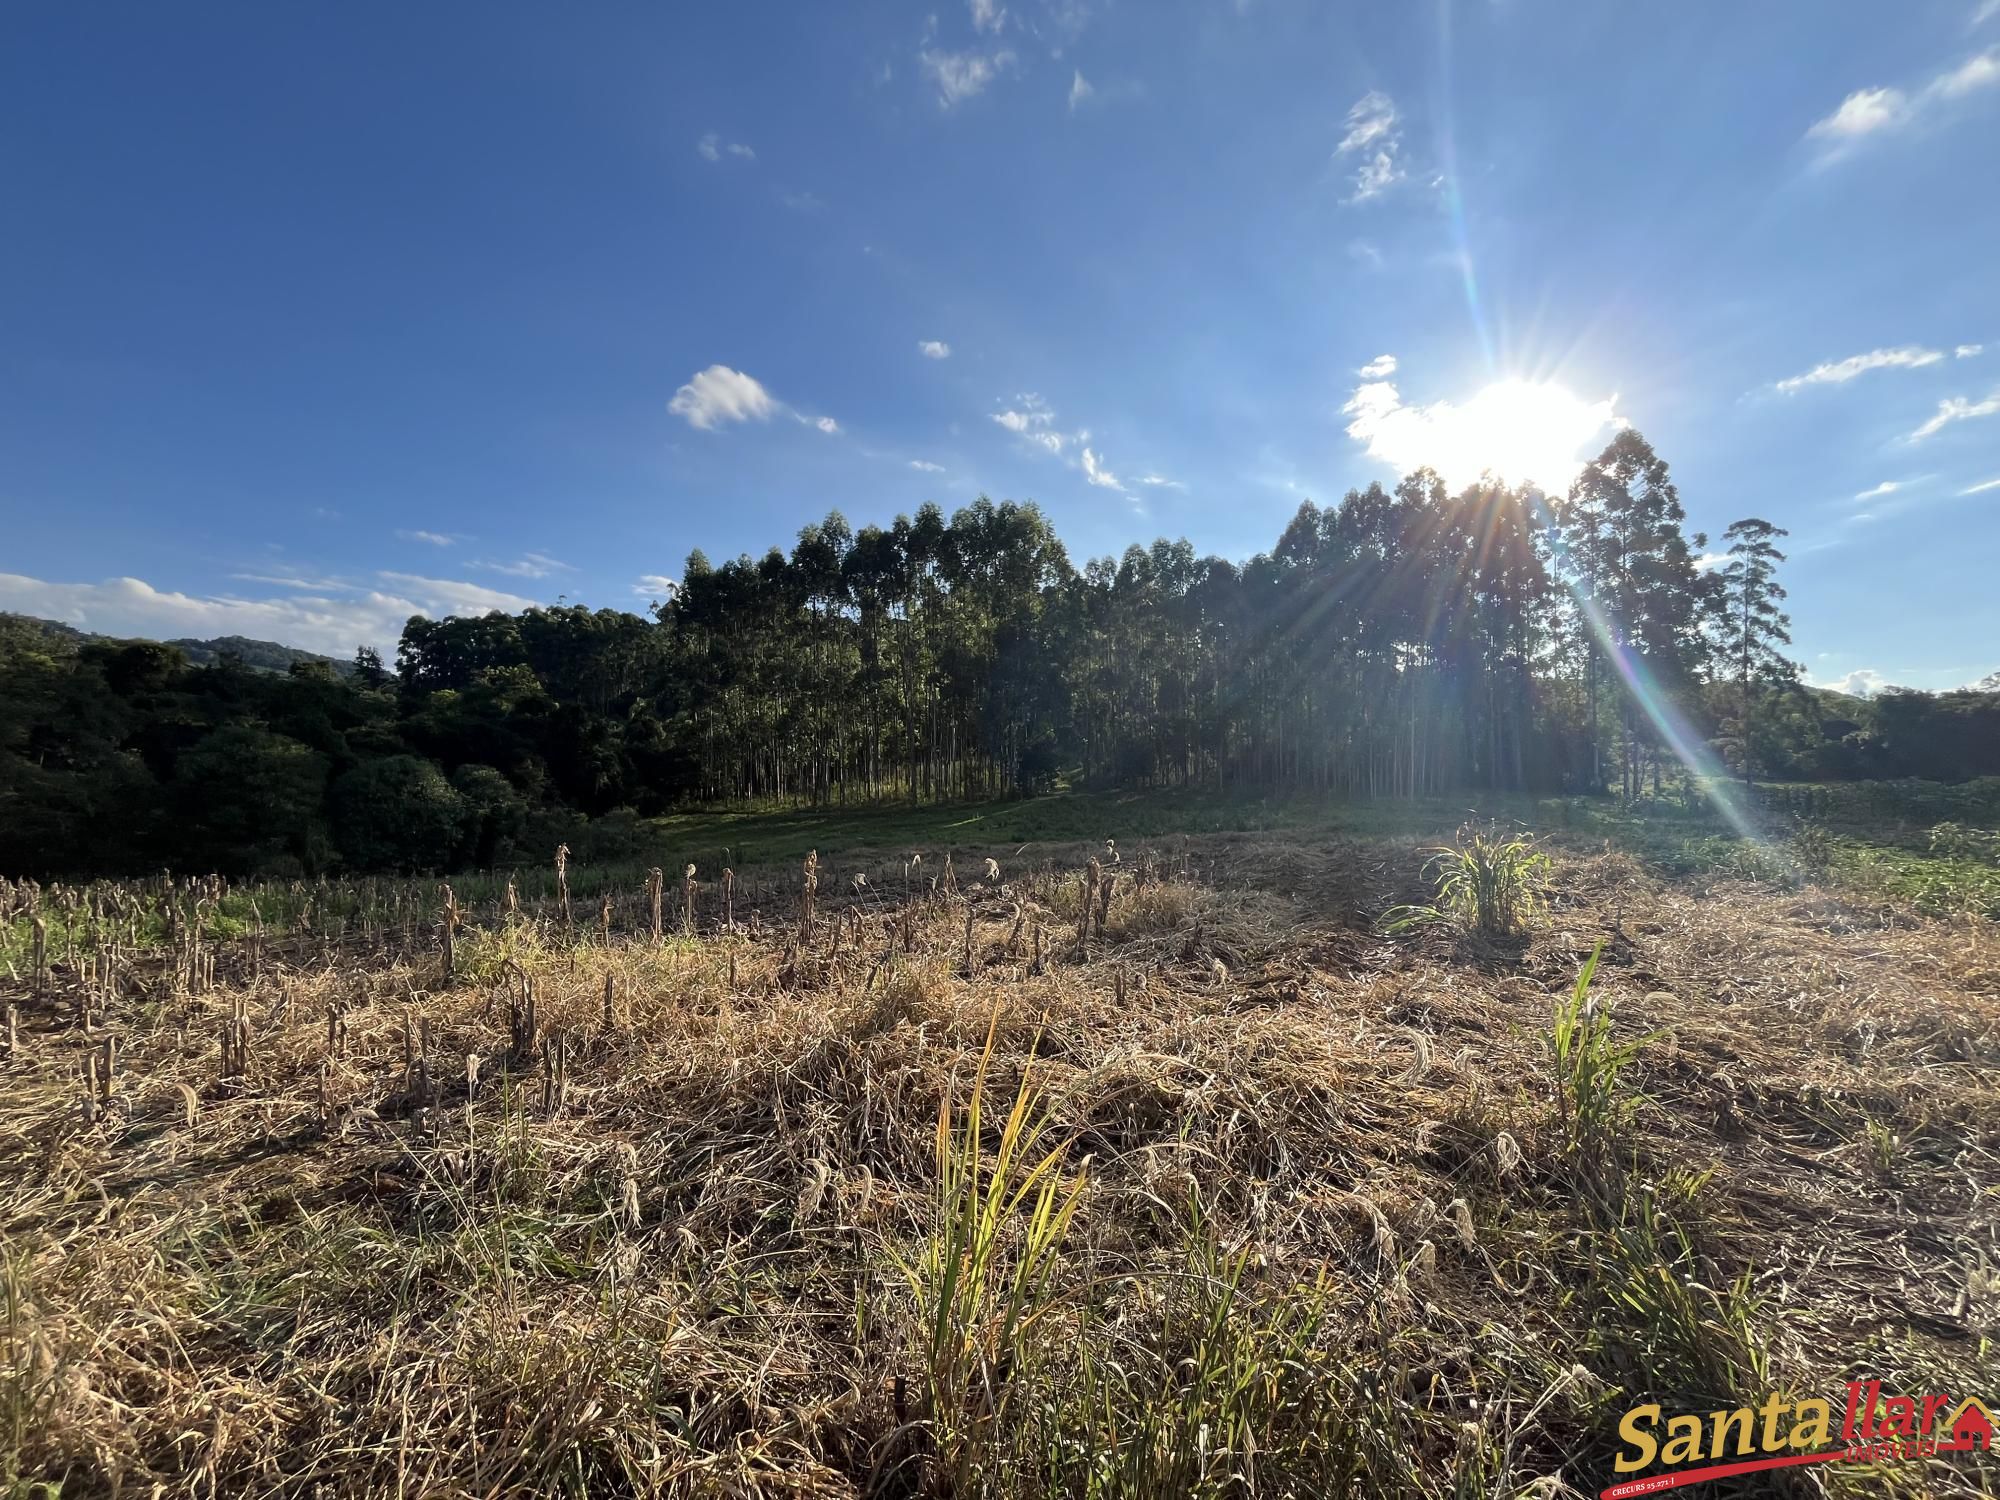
column 1403, row 642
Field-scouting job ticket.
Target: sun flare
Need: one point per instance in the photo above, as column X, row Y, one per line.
column 1523, row 431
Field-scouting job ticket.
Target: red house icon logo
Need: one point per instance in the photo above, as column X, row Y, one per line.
column 1971, row 1426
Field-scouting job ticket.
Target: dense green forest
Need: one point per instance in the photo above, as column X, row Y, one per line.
column 1399, row 643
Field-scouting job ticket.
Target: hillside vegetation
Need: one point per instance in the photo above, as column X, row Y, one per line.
column 242, row 650
column 1402, row 644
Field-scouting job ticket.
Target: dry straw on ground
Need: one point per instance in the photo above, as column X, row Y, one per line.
column 669, row 1214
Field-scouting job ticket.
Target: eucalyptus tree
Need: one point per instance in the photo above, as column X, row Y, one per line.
column 1754, row 625
column 1403, row 641
column 1636, row 566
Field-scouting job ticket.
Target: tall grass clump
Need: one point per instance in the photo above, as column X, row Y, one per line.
column 1487, row 882
column 982, row 1278
column 28, row 1377
column 1593, row 1108
column 1674, row 1327
column 1667, row 1317
column 1218, row 1389
column 1813, row 849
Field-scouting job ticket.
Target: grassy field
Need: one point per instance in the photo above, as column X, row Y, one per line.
column 1879, row 845
column 1243, row 1156
column 1866, row 815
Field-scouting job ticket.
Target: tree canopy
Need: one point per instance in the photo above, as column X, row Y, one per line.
column 1404, row 641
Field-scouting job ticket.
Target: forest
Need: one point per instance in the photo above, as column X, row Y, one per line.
column 1399, row 643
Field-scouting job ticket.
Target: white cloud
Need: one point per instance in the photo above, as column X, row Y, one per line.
column 455, row 595
column 1366, row 253
column 934, row 348
column 531, row 565
column 1031, row 419
column 1097, row 474
column 962, row 75
column 1986, row 12
column 987, row 16
column 1710, row 560
column 1372, row 119
column 802, row 203
column 712, row 148
column 433, row 538
column 1519, row 431
column 1862, row 682
column 656, row 586
column 1879, row 111
column 332, row 622
column 1840, row 371
column 925, row 466
column 1956, row 409
column 1378, row 368
column 1888, row 501
column 1160, row 481
column 1982, row 70
column 1967, row 351
column 1029, row 416
column 1991, row 484
column 720, row 394
column 317, row 585
column 1079, row 89
column 1861, row 113
column 1376, row 177
column 1372, row 136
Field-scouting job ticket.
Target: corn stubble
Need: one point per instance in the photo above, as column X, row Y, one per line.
column 1105, row 1179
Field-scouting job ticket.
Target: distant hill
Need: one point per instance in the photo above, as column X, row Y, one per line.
column 261, row 656
column 266, row 656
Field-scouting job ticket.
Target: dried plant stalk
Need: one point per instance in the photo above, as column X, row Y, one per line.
column 448, row 931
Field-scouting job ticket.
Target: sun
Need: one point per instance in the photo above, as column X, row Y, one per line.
column 1524, row 431
column 1521, row 431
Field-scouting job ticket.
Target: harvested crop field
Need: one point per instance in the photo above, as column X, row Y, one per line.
column 1153, row 1171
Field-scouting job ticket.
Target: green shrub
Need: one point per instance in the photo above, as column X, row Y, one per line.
column 1486, row 882
column 1956, row 841
column 496, row 814
column 398, row 813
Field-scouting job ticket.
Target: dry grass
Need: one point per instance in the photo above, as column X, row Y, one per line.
column 1328, row 1228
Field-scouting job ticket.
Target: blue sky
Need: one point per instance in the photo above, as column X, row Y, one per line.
column 313, row 315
